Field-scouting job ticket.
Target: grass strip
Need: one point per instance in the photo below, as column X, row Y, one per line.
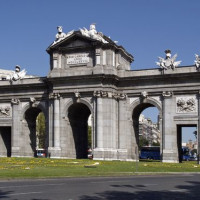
column 11, row 168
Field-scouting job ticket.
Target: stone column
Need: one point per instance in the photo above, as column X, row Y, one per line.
column 123, row 127
column 15, row 133
column 99, row 128
column 55, row 150
column 56, row 121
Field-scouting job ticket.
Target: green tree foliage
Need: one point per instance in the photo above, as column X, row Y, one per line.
column 195, row 134
column 143, row 142
column 156, row 144
column 40, row 130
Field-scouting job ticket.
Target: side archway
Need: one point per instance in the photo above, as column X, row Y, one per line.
column 137, row 107
column 29, row 129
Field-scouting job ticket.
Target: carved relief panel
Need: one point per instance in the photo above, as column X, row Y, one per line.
column 186, row 104
column 5, row 110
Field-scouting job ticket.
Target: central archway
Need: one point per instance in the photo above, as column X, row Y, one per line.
column 78, row 114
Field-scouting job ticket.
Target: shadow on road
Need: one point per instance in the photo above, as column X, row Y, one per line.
column 141, row 192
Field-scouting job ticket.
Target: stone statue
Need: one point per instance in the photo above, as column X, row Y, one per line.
column 169, row 62
column 92, row 33
column 17, row 75
column 60, row 35
column 197, row 61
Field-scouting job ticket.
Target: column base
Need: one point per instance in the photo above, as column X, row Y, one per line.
column 54, row 152
column 169, row 156
column 109, row 154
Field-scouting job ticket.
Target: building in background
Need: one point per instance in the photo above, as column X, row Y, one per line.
column 149, row 130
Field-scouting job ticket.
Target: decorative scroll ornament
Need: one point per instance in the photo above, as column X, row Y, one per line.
column 54, row 96
column 5, row 111
column 169, row 62
column 197, row 61
column 93, row 34
column 108, row 94
column 97, row 93
column 15, row 101
column 186, row 104
column 120, row 96
column 60, row 35
column 167, row 94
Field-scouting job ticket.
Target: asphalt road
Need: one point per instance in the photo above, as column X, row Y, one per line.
column 154, row 187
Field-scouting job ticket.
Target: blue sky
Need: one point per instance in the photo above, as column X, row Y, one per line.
column 145, row 28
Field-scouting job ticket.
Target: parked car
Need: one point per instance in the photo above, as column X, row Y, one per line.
column 90, row 155
column 41, row 153
column 186, row 157
column 192, row 158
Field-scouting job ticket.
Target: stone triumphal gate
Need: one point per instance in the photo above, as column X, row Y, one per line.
column 90, row 75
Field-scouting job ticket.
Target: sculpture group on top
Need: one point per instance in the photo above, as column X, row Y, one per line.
column 92, row 33
column 197, row 61
column 61, row 35
column 13, row 75
column 168, row 62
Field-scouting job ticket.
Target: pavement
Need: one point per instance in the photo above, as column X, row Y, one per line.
column 151, row 187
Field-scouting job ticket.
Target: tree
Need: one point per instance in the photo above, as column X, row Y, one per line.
column 40, row 130
column 143, row 142
column 195, row 134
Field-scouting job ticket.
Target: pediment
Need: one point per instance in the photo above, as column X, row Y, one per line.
column 74, row 41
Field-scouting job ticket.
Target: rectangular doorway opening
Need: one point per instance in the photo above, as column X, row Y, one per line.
column 5, row 141
column 187, row 142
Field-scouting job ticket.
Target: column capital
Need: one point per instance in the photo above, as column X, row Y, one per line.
column 15, row 101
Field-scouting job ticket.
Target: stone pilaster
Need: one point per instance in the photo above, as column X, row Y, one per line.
column 169, row 132
column 15, row 133
column 55, row 150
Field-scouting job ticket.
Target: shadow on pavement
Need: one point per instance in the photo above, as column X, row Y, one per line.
column 141, row 192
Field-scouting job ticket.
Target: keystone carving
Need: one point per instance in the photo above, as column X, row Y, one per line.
column 144, row 94
column 77, row 94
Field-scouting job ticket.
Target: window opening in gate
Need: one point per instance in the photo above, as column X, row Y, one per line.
column 187, row 143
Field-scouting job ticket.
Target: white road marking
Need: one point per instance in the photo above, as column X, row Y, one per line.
column 178, row 190
column 20, row 194
column 109, row 181
column 150, row 184
column 40, row 185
